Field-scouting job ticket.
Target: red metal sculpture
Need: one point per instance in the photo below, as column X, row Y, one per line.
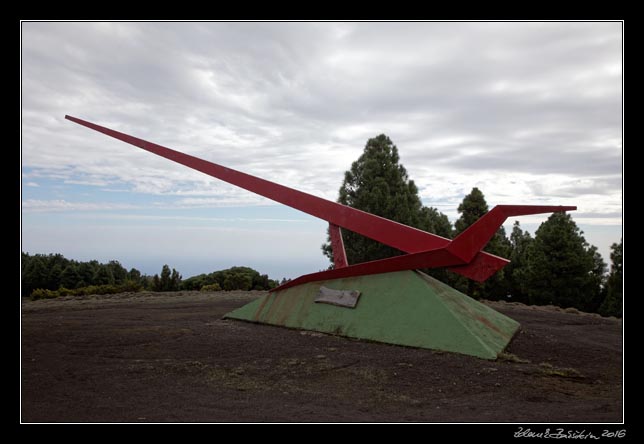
column 462, row 255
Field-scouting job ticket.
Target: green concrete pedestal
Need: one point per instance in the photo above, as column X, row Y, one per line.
column 406, row 308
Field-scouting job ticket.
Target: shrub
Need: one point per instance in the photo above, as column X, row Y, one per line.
column 211, row 287
column 62, row 291
column 43, row 293
column 131, row 286
column 127, row 286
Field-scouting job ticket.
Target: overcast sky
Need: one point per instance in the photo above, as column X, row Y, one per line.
column 531, row 113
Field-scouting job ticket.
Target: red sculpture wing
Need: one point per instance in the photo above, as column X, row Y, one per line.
column 463, row 255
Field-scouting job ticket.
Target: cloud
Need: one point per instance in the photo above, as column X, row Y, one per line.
column 538, row 97
column 36, row 205
column 212, row 202
column 157, row 218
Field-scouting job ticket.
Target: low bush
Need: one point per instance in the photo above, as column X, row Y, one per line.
column 127, row 286
column 211, row 287
column 42, row 293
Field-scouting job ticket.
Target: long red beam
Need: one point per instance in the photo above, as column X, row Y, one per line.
column 439, row 257
column 467, row 244
column 394, row 234
column 462, row 250
column 427, row 250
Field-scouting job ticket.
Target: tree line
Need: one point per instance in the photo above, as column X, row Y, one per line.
column 51, row 275
column 235, row 278
column 54, row 271
column 557, row 266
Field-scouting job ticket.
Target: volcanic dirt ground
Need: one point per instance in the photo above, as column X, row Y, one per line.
column 169, row 357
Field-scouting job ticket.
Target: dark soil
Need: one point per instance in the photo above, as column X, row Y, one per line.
column 169, row 357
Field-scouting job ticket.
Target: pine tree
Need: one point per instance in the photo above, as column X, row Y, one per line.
column 433, row 221
column 118, row 272
column 103, row 276
column 516, row 270
column 53, row 279
column 175, row 280
column 164, row 280
column 35, row 275
column 377, row 183
column 134, row 275
column 156, row 283
column 496, row 287
column 70, row 277
column 562, row 266
column 612, row 305
column 86, row 271
column 598, row 276
column 471, row 209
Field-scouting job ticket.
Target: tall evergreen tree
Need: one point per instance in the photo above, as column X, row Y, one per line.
column 70, row 277
column 471, row 209
column 175, row 280
column 164, row 280
column 118, row 271
column 377, row 183
column 168, row 281
column 134, row 275
column 515, row 271
column 156, row 283
column 496, row 287
column 598, row 276
column 612, row 305
column 562, row 266
column 86, row 271
column 433, row 221
column 103, row 276
column 35, row 275
column 53, row 279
